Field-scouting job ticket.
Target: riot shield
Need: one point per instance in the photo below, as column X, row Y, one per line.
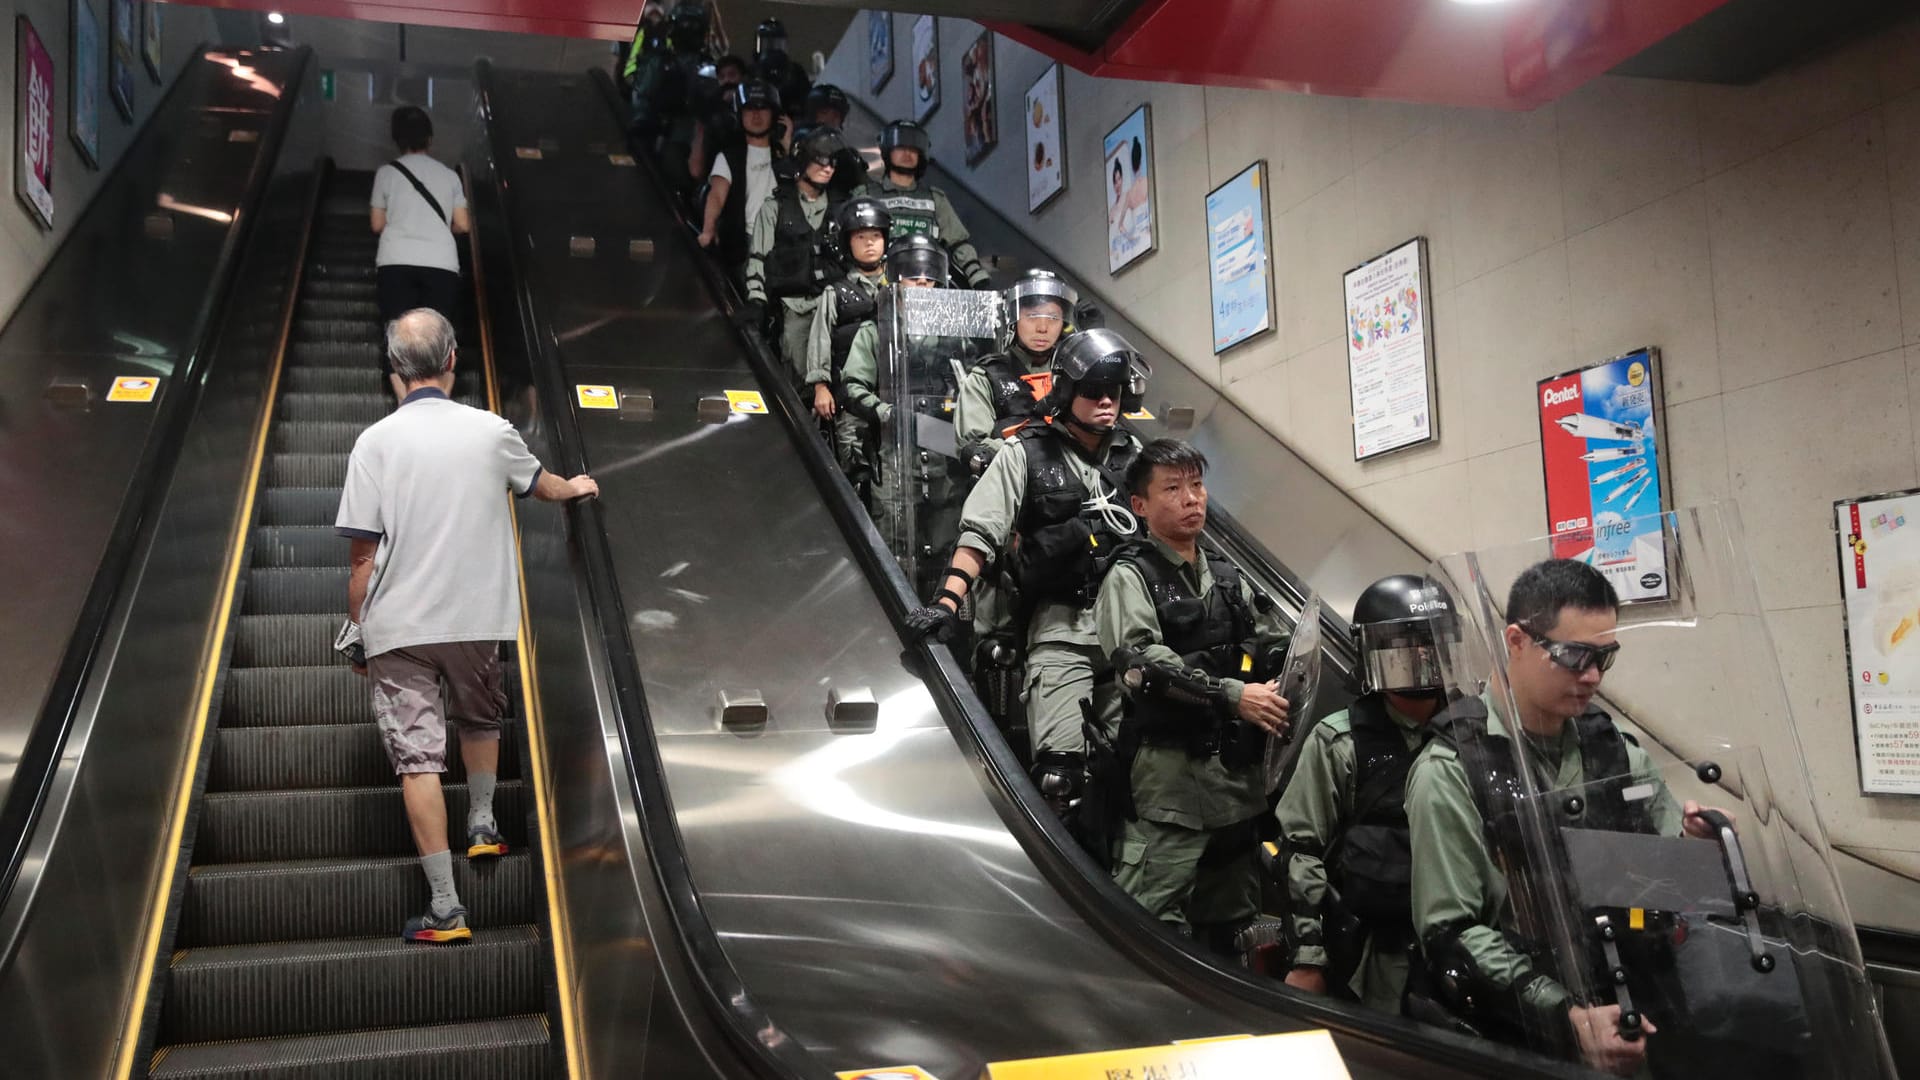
column 1652, row 822
column 1299, row 677
column 928, row 337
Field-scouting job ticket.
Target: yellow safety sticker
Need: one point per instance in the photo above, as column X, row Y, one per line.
column 625, row 160
column 891, row 1072
column 1308, row 1055
column 596, row 397
column 747, row 402
column 133, row 388
column 1138, row 414
column 1637, row 918
column 1246, row 661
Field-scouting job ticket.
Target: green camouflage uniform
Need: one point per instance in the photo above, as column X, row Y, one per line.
column 859, row 374
column 923, row 208
column 796, row 315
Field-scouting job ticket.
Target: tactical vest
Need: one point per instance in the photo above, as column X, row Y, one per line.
column 1371, row 862
column 802, row 261
column 1209, row 633
column 733, row 226
column 1063, row 547
column 916, row 211
column 1014, row 402
column 853, row 304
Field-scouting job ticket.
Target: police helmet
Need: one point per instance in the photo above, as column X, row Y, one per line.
column 1097, row 358
column 821, row 146
column 770, row 37
column 755, row 94
column 857, row 215
column 688, row 23
column 917, row 256
column 1395, row 625
column 828, row 96
column 1037, row 287
column 908, row 135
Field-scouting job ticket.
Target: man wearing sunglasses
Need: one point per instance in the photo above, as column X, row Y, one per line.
column 1481, row 961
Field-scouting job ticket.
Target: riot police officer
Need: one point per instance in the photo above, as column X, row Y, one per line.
column 841, row 367
column 827, row 104
column 791, row 256
column 1049, row 504
column 1343, row 818
column 905, row 153
column 774, row 65
column 665, row 88
column 1002, row 391
column 1182, row 626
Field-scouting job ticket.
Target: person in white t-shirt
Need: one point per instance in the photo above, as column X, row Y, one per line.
column 742, row 176
column 417, row 208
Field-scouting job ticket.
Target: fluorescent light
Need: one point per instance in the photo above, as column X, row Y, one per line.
column 276, row 18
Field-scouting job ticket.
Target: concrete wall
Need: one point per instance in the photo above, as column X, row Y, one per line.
column 25, row 247
column 1767, row 238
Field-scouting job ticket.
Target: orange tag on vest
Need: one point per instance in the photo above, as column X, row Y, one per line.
column 1041, row 383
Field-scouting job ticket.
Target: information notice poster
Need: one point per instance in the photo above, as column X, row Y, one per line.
column 1605, row 471
column 1237, row 256
column 1879, row 549
column 33, row 122
column 1390, row 351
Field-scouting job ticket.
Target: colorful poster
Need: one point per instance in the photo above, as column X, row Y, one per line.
column 83, row 111
column 120, row 57
column 1390, row 351
column 980, row 119
column 1046, row 140
column 33, row 122
column 1879, row 548
column 150, row 37
column 1606, row 482
column 1237, row 246
column 1127, row 174
column 926, row 67
column 879, row 49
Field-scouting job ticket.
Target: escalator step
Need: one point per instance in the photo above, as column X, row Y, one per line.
column 355, row 354
column 295, row 988
column 273, row 591
column 307, row 470
column 358, row 378
column 299, row 545
column 345, row 269
column 247, row 903
column 315, row 437
column 361, row 408
column 337, row 330
column 357, row 310
column 285, row 640
column 310, row 506
column 331, row 823
column 340, row 290
column 289, row 757
column 512, row 1048
column 265, row 697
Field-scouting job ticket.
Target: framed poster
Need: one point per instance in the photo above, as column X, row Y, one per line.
column 84, row 83
column 150, row 37
column 980, row 120
column 1046, row 131
column 879, row 49
column 1880, row 589
column 926, row 67
column 1127, row 174
column 1606, row 471
column 33, row 122
column 1238, row 241
column 120, row 52
column 1390, row 351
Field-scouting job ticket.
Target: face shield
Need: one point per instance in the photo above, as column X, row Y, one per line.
column 917, row 261
column 1401, row 657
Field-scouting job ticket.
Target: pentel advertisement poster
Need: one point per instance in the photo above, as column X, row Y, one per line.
column 1880, row 584
column 1606, row 480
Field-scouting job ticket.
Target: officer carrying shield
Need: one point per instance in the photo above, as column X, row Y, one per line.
column 1002, row 391
column 905, row 152
column 1343, row 818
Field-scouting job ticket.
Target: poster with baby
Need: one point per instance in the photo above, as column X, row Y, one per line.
column 1879, row 549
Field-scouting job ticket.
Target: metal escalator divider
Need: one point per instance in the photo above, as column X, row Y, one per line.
column 286, row 957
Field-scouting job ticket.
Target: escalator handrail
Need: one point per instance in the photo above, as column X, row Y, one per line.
column 1088, row 889
column 766, row 1050
column 39, row 758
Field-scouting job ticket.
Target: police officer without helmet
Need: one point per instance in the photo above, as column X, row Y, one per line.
column 1559, row 642
column 417, row 208
column 1050, row 503
column 1343, row 819
column 791, row 257
column 742, row 175
column 1179, row 621
column 1002, row 391
column 905, row 152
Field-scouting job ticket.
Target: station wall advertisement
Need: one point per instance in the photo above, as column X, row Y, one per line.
column 1237, row 246
column 33, row 122
column 1605, row 470
column 1390, row 351
column 1046, row 132
column 1127, row 175
column 879, row 49
column 1879, row 553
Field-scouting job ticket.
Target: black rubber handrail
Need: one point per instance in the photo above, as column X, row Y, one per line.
column 1055, row 853
column 148, row 483
column 762, row 1047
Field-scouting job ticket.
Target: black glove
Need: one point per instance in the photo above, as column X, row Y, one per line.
column 1087, row 316
column 932, row 622
column 753, row 315
column 977, row 456
column 985, row 284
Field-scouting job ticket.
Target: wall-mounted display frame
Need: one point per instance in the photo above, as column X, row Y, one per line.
column 879, row 49
column 1045, row 122
column 980, row 115
column 1604, row 462
column 122, row 44
column 33, row 122
column 1239, row 243
column 1390, row 351
column 1878, row 544
column 926, row 67
column 85, row 82
column 150, row 38
column 1126, row 176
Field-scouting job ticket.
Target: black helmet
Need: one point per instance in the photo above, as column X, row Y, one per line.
column 1038, row 287
column 907, row 134
column 755, row 94
column 769, row 37
column 1099, row 358
column 1395, row 623
column 688, row 24
column 828, row 96
column 856, row 215
column 917, row 256
column 822, row 144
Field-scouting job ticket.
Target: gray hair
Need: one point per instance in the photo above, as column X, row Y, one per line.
column 419, row 344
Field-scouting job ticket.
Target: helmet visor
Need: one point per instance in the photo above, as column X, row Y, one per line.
column 1401, row 656
column 1028, row 294
column 901, row 136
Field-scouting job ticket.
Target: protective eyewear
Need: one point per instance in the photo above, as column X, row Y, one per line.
column 1044, row 316
column 1096, row 391
column 1577, row 656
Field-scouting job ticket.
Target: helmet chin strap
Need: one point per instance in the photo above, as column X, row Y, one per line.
column 1102, row 430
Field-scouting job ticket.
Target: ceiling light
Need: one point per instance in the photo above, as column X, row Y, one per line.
column 276, row 18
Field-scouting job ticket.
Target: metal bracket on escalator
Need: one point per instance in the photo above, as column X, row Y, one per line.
column 743, row 710
column 636, row 404
column 852, row 709
column 581, row 247
column 640, row 250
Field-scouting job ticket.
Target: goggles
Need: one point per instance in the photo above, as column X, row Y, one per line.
column 1577, row 656
column 1096, row 391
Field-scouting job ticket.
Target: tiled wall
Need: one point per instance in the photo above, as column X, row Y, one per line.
column 1766, row 238
column 24, row 245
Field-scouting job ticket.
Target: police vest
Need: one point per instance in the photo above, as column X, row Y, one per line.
column 801, row 261
column 853, row 304
column 916, row 211
column 1209, row 633
column 1015, row 400
column 1064, row 546
column 1370, row 864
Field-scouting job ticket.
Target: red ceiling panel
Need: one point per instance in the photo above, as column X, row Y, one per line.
column 608, row 19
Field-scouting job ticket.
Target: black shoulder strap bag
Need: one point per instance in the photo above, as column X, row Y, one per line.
column 422, row 189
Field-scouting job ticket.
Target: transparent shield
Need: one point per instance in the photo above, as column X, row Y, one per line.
column 1721, row 933
column 928, row 339
column 1300, row 685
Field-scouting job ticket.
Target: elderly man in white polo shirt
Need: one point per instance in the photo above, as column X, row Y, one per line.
column 435, row 589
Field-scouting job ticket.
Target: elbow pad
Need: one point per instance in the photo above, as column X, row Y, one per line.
column 1169, row 683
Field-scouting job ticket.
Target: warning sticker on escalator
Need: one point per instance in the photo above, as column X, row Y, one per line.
column 746, row 402
column 1138, row 414
column 596, row 397
column 891, row 1072
column 133, row 388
